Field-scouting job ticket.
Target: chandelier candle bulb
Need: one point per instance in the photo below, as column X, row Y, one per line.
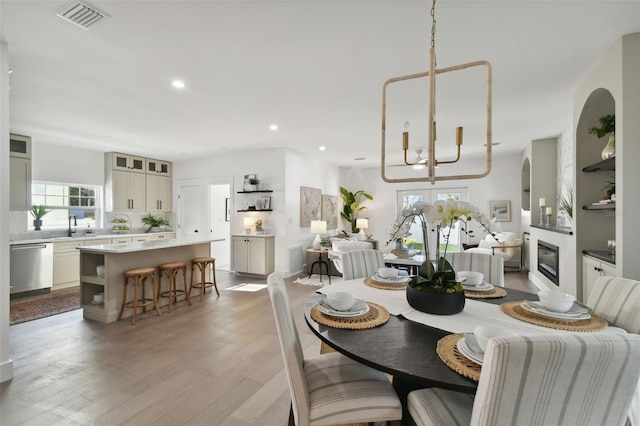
column 405, row 136
column 458, row 135
column 549, row 210
column 543, row 202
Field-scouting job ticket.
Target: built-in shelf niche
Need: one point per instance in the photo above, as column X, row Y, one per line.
column 526, row 185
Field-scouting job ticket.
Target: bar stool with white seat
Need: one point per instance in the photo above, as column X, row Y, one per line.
column 171, row 270
column 139, row 277
column 203, row 263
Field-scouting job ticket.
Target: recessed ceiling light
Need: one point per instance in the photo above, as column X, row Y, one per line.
column 178, row 84
column 274, row 127
column 10, row 70
column 323, row 148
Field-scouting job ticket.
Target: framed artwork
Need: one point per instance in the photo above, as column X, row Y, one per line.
column 266, row 202
column 227, row 210
column 330, row 211
column 310, row 201
column 501, row 210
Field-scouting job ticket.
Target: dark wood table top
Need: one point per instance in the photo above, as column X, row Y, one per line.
column 402, row 348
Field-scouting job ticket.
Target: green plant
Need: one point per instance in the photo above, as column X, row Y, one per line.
column 565, row 202
column 610, row 186
column 259, row 225
column 153, row 221
column 607, row 125
column 38, row 211
column 352, row 206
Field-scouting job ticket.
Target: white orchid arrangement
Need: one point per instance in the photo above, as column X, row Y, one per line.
column 442, row 215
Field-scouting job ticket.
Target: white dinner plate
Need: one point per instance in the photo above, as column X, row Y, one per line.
column 399, row 280
column 359, row 308
column 485, row 286
column 469, row 353
column 565, row 316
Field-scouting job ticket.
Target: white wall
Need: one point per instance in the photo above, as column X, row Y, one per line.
column 502, row 183
column 6, row 364
column 58, row 163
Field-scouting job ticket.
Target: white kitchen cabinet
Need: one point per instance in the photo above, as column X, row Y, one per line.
column 253, row 254
column 66, row 260
column 20, row 183
column 121, row 240
column 158, row 192
column 592, row 269
column 126, row 162
column 153, row 237
column 124, row 191
column 158, row 167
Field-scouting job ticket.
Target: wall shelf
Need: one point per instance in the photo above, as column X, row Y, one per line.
column 610, row 206
column 253, row 192
column 255, row 210
column 553, row 228
column 602, row 166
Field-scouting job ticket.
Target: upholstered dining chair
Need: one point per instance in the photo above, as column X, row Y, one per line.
column 618, row 301
column 543, row 379
column 361, row 263
column 492, row 267
column 329, row 389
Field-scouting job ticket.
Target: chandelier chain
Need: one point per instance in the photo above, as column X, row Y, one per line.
column 433, row 23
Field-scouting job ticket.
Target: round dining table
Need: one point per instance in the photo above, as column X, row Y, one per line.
column 402, row 348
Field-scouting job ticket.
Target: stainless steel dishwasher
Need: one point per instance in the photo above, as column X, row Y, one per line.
column 31, row 266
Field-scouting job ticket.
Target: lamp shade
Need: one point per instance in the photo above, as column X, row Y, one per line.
column 318, row 227
column 362, row 223
column 248, row 221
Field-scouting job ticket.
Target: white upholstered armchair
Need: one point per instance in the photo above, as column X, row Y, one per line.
column 506, row 247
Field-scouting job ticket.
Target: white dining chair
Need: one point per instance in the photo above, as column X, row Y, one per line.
column 329, row 389
column 543, row 379
column 361, row 263
column 338, row 248
column 618, row 301
column 492, row 267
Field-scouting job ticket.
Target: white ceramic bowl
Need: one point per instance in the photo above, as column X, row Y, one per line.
column 556, row 301
column 472, row 277
column 340, row 300
column 388, row 273
column 485, row 332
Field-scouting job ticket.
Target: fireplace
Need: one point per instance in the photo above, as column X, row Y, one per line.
column 548, row 261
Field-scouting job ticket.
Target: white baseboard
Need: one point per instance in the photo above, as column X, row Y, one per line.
column 6, row 371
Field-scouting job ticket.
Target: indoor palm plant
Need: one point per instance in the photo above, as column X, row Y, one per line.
column 38, row 211
column 154, row 222
column 352, row 206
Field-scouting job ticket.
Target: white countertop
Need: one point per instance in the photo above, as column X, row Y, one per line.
column 143, row 245
column 85, row 237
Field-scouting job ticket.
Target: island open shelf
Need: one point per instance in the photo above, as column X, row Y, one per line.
column 118, row 258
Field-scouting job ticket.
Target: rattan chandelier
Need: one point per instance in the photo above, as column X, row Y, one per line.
column 432, row 161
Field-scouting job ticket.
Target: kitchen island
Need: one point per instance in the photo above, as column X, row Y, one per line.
column 118, row 258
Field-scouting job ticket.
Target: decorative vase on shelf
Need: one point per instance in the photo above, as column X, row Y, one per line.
column 610, row 148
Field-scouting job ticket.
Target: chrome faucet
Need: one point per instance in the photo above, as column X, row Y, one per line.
column 75, row 223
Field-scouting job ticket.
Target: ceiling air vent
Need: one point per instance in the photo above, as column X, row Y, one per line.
column 81, row 14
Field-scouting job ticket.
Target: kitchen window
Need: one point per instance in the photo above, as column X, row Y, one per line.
column 64, row 200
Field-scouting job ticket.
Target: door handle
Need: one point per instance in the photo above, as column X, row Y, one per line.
column 195, row 231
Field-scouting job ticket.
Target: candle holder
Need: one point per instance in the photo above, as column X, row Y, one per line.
column 542, row 216
column 548, row 220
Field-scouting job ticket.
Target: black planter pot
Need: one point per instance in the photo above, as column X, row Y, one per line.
column 37, row 223
column 434, row 303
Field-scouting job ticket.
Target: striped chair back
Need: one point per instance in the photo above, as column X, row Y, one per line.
column 567, row 379
column 491, row 266
column 291, row 348
column 361, row 263
column 618, row 301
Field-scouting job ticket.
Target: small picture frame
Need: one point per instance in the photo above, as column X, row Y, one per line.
column 500, row 210
column 266, row 203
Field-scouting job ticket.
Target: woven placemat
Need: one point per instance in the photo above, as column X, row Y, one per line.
column 384, row 286
column 376, row 316
column 451, row 356
column 513, row 309
column 494, row 293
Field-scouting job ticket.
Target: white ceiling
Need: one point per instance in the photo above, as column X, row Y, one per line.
column 315, row 68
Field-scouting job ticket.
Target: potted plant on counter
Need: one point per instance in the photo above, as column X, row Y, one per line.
column 38, row 211
column 154, row 223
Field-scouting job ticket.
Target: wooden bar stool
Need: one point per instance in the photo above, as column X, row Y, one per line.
column 172, row 270
column 139, row 277
column 202, row 263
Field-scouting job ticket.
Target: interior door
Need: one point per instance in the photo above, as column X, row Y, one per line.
column 408, row 197
column 190, row 210
column 220, row 224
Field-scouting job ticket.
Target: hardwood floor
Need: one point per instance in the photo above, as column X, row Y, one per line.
column 217, row 362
